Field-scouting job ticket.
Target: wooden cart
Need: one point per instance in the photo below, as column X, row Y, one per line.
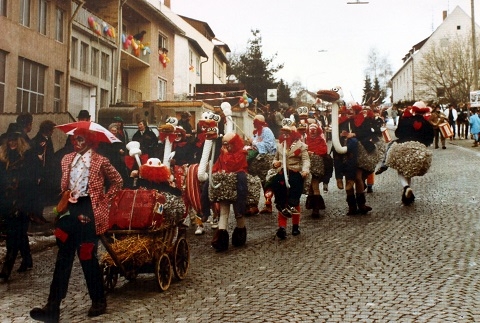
column 166, row 254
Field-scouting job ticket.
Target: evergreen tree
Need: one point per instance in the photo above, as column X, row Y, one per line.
column 284, row 93
column 253, row 70
column 367, row 89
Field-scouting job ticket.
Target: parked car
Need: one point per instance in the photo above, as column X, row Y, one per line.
column 131, row 129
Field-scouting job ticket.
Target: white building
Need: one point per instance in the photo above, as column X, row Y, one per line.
column 404, row 84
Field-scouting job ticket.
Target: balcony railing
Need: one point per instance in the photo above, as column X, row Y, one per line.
column 97, row 25
column 129, row 95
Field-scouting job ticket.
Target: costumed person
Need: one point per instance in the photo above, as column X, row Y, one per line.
column 409, row 155
column 437, row 118
column 260, row 159
column 344, row 124
column 230, row 167
column 292, row 163
column 359, row 151
column 377, row 122
column 86, row 174
column 18, row 174
column 318, row 151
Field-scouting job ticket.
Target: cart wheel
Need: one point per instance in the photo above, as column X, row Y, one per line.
column 181, row 258
column 163, row 271
column 110, row 277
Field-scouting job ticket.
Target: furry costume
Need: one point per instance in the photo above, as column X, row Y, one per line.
column 232, row 163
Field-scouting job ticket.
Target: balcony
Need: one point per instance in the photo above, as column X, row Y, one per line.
column 95, row 24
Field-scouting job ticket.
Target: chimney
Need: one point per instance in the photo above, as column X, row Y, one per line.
column 167, row 4
column 444, row 12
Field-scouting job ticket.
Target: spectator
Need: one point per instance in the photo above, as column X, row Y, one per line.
column 42, row 145
column 17, row 181
column 475, row 127
column 25, row 121
column 184, row 122
column 438, row 117
column 146, row 137
column 452, row 115
column 115, row 152
column 121, row 132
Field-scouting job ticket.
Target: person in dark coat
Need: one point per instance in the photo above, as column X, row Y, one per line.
column 42, row 146
column 146, row 137
column 17, row 181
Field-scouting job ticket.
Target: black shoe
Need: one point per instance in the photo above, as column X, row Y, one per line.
column 281, row 233
column 48, row 313
column 295, row 230
column 97, row 308
column 381, row 170
column 369, row 189
column 23, row 268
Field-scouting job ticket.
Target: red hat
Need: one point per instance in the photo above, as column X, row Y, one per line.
column 357, row 108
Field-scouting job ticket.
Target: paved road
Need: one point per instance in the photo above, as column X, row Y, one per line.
column 398, row 264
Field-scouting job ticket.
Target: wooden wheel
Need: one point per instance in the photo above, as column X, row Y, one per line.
column 163, row 272
column 110, row 277
column 181, row 258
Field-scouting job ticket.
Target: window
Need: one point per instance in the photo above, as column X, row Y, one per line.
column 30, row 86
column 3, row 64
column 104, row 99
column 162, row 43
column 25, row 13
column 42, row 17
column 59, row 25
column 3, row 8
column 83, row 57
column 104, row 67
column 74, row 53
column 217, row 69
column 94, row 62
column 162, row 89
column 57, row 104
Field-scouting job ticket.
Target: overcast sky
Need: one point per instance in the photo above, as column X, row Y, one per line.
column 324, row 43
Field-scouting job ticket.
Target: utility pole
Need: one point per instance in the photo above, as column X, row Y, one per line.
column 474, row 48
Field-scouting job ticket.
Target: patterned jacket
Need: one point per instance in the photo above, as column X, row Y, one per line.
column 297, row 157
column 100, row 170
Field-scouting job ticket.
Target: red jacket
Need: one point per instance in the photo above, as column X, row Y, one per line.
column 100, row 170
column 234, row 161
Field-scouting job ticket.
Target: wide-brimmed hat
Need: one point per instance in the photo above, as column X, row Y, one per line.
column 13, row 131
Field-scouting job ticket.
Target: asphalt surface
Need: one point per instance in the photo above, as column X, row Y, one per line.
column 417, row 263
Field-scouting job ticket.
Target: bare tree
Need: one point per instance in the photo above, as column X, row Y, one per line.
column 445, row 71
column 380, row 69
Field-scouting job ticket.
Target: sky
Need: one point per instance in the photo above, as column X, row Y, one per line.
column 324, row 43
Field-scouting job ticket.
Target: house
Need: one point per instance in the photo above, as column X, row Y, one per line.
column 405, row 86
column 58, row 57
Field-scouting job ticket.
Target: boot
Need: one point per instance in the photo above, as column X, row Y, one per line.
column 317, row 203
column 7, row 266
column 49, row 313
column 98, row 308
column 407, row 196
column 340, row 183
column 362, row 208
column 220, row 240
column 268, row 206
column 295, row 230
column 281, row 233
column 475, row 144
column 352, row 203
column 309, row 202
column 239, row 237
